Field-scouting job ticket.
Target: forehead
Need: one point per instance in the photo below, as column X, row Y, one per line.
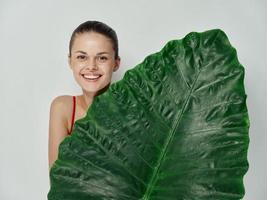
column 92, row 41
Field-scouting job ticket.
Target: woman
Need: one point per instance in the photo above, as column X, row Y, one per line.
column 93, row 57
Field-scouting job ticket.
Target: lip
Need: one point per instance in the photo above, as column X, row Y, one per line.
column 88, row 80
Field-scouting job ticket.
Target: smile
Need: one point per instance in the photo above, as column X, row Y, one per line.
column 91, row 78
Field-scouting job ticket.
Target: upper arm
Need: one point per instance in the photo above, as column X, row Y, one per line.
column 57, row 128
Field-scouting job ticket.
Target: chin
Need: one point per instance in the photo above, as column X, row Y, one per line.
column 97, row 90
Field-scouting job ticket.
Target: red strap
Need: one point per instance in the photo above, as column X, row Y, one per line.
column 73, row 112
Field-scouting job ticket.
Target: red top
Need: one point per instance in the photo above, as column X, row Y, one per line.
column 73, row 113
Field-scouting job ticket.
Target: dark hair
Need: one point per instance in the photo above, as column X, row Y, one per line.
column 99, row 27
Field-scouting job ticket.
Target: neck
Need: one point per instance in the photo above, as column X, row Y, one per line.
column 88, row 97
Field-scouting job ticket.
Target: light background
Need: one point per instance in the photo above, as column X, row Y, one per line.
column 34, row 38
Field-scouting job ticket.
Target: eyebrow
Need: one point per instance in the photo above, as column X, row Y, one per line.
column 100, row 53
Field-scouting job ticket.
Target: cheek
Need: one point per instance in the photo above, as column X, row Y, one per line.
column 76, row 69
column 108, row 70
column 75, row 72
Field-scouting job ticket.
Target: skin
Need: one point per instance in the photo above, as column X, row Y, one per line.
column 85, row 58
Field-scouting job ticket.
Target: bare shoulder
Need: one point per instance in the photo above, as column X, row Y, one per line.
column 60, row 106
column 58, row 124
column 62, row 99
column 61, row 102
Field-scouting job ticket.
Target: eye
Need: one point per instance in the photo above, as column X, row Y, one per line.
column 102, row 58
column 81, row 57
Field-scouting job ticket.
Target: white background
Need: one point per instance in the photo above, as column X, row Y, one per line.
column 34, row 38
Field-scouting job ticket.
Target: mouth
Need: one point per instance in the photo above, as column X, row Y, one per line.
column 91, row 78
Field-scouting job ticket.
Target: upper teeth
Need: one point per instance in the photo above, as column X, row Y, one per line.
column 91, row 76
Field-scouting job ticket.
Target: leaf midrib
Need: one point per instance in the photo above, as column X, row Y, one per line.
column 166, row 145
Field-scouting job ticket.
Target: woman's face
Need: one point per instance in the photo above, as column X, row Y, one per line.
column 92, row 61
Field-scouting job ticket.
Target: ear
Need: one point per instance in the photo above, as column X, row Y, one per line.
column 69, row 61
column 117, row 65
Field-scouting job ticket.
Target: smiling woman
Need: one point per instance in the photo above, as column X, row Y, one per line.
column 93, row 57
column 175, row 127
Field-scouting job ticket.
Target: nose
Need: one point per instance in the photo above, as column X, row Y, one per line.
column 91, row 64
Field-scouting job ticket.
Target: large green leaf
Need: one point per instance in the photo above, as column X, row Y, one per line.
column 174, row 128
